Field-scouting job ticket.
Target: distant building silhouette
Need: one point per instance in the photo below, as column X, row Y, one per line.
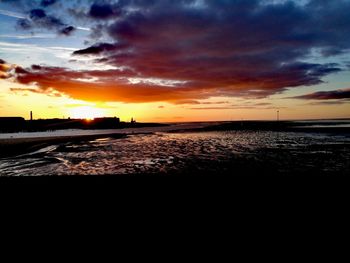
column 12, row 124
column 19, row 124
column 105, row 123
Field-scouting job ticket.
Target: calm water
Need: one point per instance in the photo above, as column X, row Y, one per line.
column 190, row 152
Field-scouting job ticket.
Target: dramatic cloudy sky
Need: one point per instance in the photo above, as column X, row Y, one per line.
column 167, row 60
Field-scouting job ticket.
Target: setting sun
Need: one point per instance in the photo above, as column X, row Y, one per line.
column 167, row 88
column 86, row 112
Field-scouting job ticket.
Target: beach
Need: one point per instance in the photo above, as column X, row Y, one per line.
column 179, row 149
column 12, row 147
column 126, row 87
column 12, row 144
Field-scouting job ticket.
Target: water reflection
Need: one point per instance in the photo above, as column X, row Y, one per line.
column 189, row 152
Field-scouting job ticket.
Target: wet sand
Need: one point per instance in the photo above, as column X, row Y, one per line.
column 13, row 147
column 21, row 143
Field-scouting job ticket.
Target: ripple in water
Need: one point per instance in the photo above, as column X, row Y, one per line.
column 164, row 153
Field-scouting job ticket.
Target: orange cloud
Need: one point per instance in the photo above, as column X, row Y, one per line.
column 119, row 85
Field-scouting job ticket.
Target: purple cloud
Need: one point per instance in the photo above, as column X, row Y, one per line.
column 208, row 48
column 233, row 46
column 340, row 94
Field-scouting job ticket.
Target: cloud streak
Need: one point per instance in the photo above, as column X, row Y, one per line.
column 12, row 14
column 340, row 94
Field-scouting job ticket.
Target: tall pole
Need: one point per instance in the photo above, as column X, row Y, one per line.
column 278, row 115
column 31, row 115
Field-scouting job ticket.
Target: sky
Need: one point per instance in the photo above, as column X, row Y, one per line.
column 175, row 61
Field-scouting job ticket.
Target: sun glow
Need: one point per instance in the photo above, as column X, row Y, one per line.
column 86, row 112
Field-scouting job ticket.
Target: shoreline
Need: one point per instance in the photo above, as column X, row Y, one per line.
column 282, row 126
column 12, row 145
column 18, row 146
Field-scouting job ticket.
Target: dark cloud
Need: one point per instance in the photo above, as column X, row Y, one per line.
column 2, row 61
column 100, row 48
column 38, row 18
column 46, row 3
column 329, row 103
column 36, row 67
column 327, row 95
column 20, row 70
column 110, row 85
column 37, row 14
column 226, row 47
column 67, row 30
column 104, row 10
column 206, row 48
column 31, row 3
column 117, row 85
column 41, row 19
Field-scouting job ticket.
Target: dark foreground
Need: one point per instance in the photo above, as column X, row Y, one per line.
column 222, row 151
column 16, row 147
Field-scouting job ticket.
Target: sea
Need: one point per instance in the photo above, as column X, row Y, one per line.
column 198, row 153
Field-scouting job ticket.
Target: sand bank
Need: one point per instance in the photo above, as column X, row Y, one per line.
column 12, row 144
column 13, row 147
